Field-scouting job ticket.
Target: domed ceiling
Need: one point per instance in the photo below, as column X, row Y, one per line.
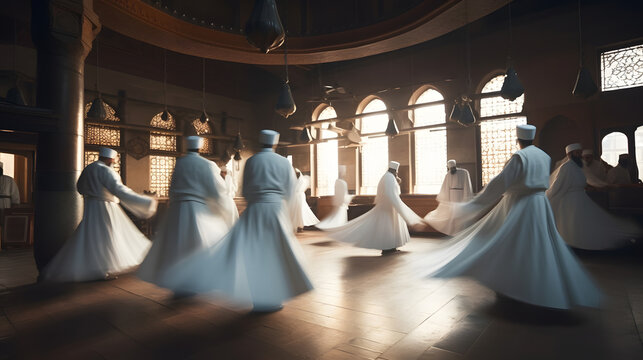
column 317, row 31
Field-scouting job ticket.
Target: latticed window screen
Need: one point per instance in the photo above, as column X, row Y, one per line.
column 103, row 135
column 498, row 136
column 327, row 156
column 374, row 150
column 161, row 168
column 91, row 156
column 161, row 141
column 201, row 129
column 613, row 145
column 622, row 68
column 430, row 144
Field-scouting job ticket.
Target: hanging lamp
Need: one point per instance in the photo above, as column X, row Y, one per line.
column 391, row 128
column 511, row 87
column 585, row 85
column 204, row 118
column 238, row 142
column 165, row 116
column 305, row 135
column 264, row 29
column 237, row 156
column 456, row 111
column 97, row 109
column 285, row 103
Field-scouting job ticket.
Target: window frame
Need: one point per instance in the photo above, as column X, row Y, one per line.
column 359, row 124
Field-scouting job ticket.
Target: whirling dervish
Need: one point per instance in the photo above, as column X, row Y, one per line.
column 384, row 227
column 299, row 210
column 339, row 214
column 580, row 221
column 515, row 249
column 199, row 214
column 456, row 188
column 259, row 262
column 106, row 242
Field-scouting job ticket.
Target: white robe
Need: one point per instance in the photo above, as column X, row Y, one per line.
column 455, row 188
column 580, row 221
column 595, row 173
column 299, row 209
column 618, row 175
column 9, row 193
column 259, row 262
column 515, row 248
column 231, row 191
column 106, row 241
column 385, row 225
column 198, row 217
column 339, row 214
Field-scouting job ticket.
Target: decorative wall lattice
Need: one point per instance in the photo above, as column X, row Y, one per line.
column 430, row 144
column 161, row 141
column 91, row 156
column 201, row 129
column 622, row 68
column 103, row 135
column 161, row 168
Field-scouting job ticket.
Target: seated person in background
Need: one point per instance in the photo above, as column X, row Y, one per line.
column 620, row 175
column 594, row 169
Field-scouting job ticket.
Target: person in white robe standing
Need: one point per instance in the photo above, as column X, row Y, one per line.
column 9, row 194
column 198, row 215
column 456, row 188
column 593, row 169
column 514, row 247
column 338, row 216
column 299, row 209
column 259, row 262
column 580, row 221
column 384, row 227
column 231, row 190
column 106, row 242
column 619, row 174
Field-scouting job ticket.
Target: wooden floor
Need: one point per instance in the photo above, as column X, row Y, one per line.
column 365, row 306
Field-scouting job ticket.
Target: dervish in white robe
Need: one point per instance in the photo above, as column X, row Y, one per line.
column 231, row 191
column 456, row 188
column 580, row 221
column 198, row 216
column 593, row 169
column 259, row 262
column 106, row 242
column 515, row 249
column 384, row 227
column 9, row 194
column 339, row 214
column 300, row 212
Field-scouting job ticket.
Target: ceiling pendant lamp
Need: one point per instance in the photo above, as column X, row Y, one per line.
column 305, row 135
column 467, row 116
column 238, row 143
column 204, row 118
column 285, row 103
column 456, row 112
column 97, row 109
column 585, row 85
column 165, row 116
column 237, row 156
column 391, row 128
column 511, row 87
column 264, row 29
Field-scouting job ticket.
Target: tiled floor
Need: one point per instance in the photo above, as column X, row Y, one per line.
column 365, row 306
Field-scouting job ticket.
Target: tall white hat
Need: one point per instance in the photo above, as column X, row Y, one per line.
column 269, row 137
column 451, row 163
column 394, row 165
column 107, row 153
column 571, row 147
column 588, row 152
column 526, row 132
column 194, row 142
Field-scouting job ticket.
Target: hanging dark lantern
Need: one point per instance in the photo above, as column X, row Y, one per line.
column 456, row 112
column 467, row 117
column 585, row 85
column 512, row 87
column 264, row 29
column 14, row 96
column 238, row 143
column 165, row 116
column 237, row 156
column 391, row 128
column 285, row 103
column 204, row 118
column 97, row 110
column 305, row 135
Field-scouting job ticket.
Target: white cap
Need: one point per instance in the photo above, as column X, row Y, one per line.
column 588, row 152
column 268, row 137
column 526, row 132
column 394, row 165
column 107, row 152
column 451, row 163
column 571, row 147
column 194, row 142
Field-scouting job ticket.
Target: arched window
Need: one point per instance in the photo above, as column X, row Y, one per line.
column 327, row 155
column 498, row 133
column 638, row 143
column 374, row 149
column 613, row 145
column 430, row 144
column 203, row 129
column 98, row 135
column 161, row 166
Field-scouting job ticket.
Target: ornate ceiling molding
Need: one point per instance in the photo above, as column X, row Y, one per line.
column 430, row 19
